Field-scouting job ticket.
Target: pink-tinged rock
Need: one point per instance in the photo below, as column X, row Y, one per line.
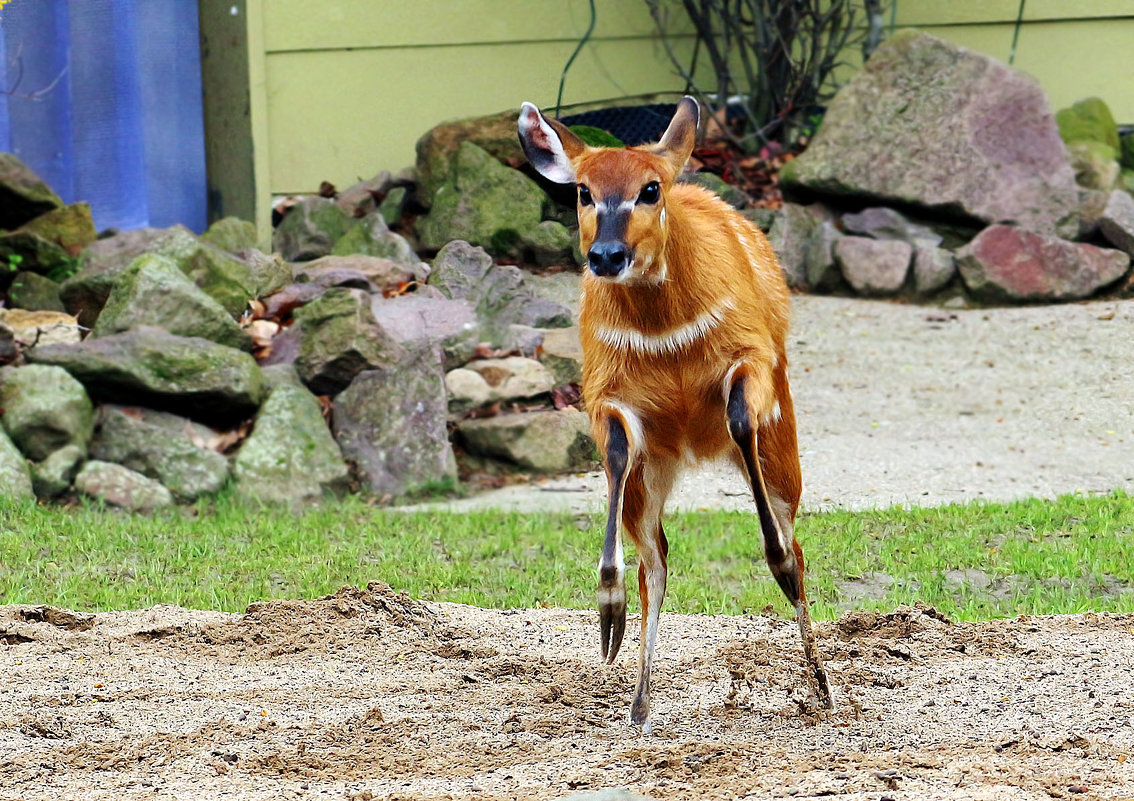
column 873, row 266
column 1008, row 263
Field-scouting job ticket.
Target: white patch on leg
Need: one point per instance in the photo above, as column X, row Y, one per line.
column 771, row 416
column 635, row 432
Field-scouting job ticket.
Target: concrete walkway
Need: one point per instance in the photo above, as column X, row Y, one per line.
column 901, row 404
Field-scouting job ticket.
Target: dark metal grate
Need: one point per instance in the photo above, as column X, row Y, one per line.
column 634, row 125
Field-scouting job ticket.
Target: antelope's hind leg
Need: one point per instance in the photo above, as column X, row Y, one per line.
column 782, row 552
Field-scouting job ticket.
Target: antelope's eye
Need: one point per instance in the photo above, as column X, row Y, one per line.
column 585, row 198
column 650, row 193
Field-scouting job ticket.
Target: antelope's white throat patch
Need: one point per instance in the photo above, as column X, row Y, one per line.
column 671, row 341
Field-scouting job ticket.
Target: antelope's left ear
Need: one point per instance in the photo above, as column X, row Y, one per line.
column 550, row 145
column 676, row 144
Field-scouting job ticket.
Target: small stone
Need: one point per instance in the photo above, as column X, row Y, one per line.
column 511, row 378
column 391, row 206
column 232, row 234
column 789, row 237
column 15, row 479
column 370, row 236
column 310, row 229
column 120, row 486
column 885, row 223
column 44, row 409
column 381, row 274
column 391, row 427
column 23, row 194
column 933, row 268
column 1095, row 165
column 546, row 442
column 523, row 338
column 822, row 272
column 562, row 354
column 35, row 328
column 548, row 244
column 359, row 200
column 54, row 475
column 1117, row 221
column 874, row 266
column 267, row 273
column 50, row 243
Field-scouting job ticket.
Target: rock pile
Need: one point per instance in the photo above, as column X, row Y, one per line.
column 161, row 367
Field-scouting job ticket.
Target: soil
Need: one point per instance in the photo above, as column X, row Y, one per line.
column 367, row 694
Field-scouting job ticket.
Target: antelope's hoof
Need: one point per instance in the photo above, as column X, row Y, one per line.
column 612, row 626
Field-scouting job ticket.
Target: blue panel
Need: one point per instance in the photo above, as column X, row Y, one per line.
column 38, row 78
column 173, row 125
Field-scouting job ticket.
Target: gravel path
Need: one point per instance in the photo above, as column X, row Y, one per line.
column 902, row 404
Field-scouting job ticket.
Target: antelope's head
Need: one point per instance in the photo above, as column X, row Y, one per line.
column 621, row 191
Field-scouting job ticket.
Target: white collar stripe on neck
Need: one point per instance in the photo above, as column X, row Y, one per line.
column 670, row 342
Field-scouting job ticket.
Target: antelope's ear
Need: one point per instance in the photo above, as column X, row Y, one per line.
column 549, row 145
column 676, row 144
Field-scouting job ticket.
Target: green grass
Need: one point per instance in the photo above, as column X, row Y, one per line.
column 1070, row 555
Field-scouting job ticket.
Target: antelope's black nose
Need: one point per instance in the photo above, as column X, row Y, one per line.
column 608, row 259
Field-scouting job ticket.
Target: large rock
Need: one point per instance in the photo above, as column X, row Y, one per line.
column 874, row 266
column 33, row 328
column 484, row 203
column 121, row 486
column 290, row 457
column 381, row 274
column 15, row 479
column 225, row 278
column 23, row 194
column 391, row 426
column 372, row 237
column 34, row 292
column 50, row 243
column 159, row 450
column 437, row 149
column 994, row 153
column 820, row 268
column 1117, row 221
column 561, row 352
column 549, row 243
column 886, row 223
column 154, row 292
column 933, row 269
column 499, row 293
column 1008, row 263
column 44, row 409
column 147, row 366
column 423, row 323
column 268, row 273
column 341, row 338
column 232, row 234
column 310, row 229
column 546, row 442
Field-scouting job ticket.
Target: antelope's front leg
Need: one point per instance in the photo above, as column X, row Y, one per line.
column 782, row 552
column 612, row 565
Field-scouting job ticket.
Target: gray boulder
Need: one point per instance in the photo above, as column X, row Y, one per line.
column 310, row 229
column 370, row 236
column 562, row 354
column 49, row 243
column 290, row 457
column 790, row 237
column 341, row 338
column 437, row 149
column 549, row 243
column 35, row 293
column 424, row 323
column 15, row 480
column 546, row 442
column 994, row 153
column 121, row 486
column 54, row 475
column 23, row 194
column 933, row 268
column 820, row 268
column 393, row 205
column 154, row 292
column 360, row 199
column 1008, row 263
column 232, row 234
column 483, row 202
column 874, row 266
column 223, row 277
column 268, row 273
column 161, row 451
column 1116, row 222
column 498, row 292
column 44, row 409
column 188, row 375
column 885, row 223
column 487, row 381
column 391, row 426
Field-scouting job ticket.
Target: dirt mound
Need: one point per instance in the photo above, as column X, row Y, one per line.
column 368, row 694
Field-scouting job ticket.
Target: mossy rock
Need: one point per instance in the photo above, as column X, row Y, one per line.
column 1088, row 120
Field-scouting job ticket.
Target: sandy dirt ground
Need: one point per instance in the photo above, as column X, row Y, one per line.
column 920, row 405
column 368, row 694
